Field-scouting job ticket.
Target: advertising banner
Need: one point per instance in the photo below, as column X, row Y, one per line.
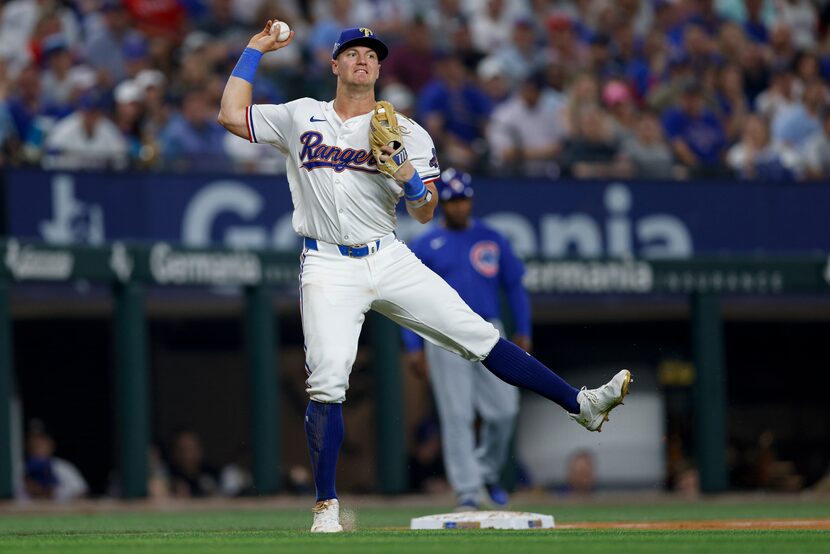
column 561, row 219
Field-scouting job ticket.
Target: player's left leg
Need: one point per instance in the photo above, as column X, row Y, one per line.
column 414, row 296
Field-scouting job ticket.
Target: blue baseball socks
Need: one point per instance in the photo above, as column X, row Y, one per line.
column 515, row 366
column 324, row 432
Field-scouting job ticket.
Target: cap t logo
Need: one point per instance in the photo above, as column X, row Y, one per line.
column 366, row 31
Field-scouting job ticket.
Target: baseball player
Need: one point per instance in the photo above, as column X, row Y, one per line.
column 349, row 162
column 479, row 263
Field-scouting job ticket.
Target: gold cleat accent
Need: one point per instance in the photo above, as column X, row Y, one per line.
column 596, row 404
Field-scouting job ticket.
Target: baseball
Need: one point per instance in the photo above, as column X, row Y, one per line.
column 281, row 29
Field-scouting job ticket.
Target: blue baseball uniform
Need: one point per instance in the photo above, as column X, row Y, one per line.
column 479, row 264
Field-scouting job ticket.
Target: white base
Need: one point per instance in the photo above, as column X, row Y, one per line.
column 484, row 520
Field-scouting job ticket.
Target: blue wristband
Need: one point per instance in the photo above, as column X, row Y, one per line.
column 247, row 64
column 414, row 189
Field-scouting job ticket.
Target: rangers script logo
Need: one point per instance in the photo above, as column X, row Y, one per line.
column 315, row 154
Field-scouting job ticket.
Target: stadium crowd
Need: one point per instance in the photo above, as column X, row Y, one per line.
column 544, row 88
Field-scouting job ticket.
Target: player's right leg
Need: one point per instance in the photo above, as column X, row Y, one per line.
column 333, row 303
column 414, row 296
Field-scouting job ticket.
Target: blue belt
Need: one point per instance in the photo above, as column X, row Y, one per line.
column 350, row 251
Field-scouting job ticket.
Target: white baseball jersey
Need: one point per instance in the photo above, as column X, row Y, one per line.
column 338, row 193
column 340, row 198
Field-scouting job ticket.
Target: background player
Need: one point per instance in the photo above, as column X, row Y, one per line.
column 352, row 262
column 479, row 263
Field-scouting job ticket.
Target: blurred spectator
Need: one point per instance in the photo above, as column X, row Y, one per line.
column 591, row 149
column 782, row 48
column 823, row 486
column 664, row 95
column 525, row 133
column 583, row 91
column 192, row 138
column 646, row 155
column 731, row 42
column 236, row 479
column 221, row 22
column 749, row 56
column 26, row 23
column 696, row 135
column 807, row 66
column 129, row 116
column 600, row 61
column 784, row 92
column 136, row 52
column 156, row 111
column 794, row 124
column 388, row 18
column 165, row 18
column 706, row 15
column 45, row 475
column 492, row 24
column 26, row 107
column 104, row 46
column 248, row 157
column 400, row 97
column 817, row 151
column 755, row 24
column 158, row 477
column 619, row 101
column 9, row 141
column 769, row 470
column 564, row 47
column 410, row 63
column 631, row 64
column 522, row 56
column 755, row 157
column 444, row 18
column 461, row 44
column 800, row 16
column 299, row 480
column 454, row 110
column 190, row 475
column 699, row 48
column 87, row 139
column 732, row 103
column 325, row 32
column 580, row 478
column 56, row 82
column 158, row 474
column 755, row 72
column 493, row 81
column 687, row 480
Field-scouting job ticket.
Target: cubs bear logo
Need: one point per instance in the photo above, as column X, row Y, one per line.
column 484, row 255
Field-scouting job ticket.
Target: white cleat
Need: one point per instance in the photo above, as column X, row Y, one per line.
column 596, row 404
column 326, row 517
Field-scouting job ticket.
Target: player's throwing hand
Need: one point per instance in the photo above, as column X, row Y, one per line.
column 265, row 41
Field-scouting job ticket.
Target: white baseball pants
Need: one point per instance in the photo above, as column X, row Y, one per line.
column 336, row 291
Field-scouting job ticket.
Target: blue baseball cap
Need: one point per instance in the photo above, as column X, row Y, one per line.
column 359, row 36
column 454, row 185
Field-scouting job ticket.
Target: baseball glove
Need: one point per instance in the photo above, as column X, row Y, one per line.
column 385, row 131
